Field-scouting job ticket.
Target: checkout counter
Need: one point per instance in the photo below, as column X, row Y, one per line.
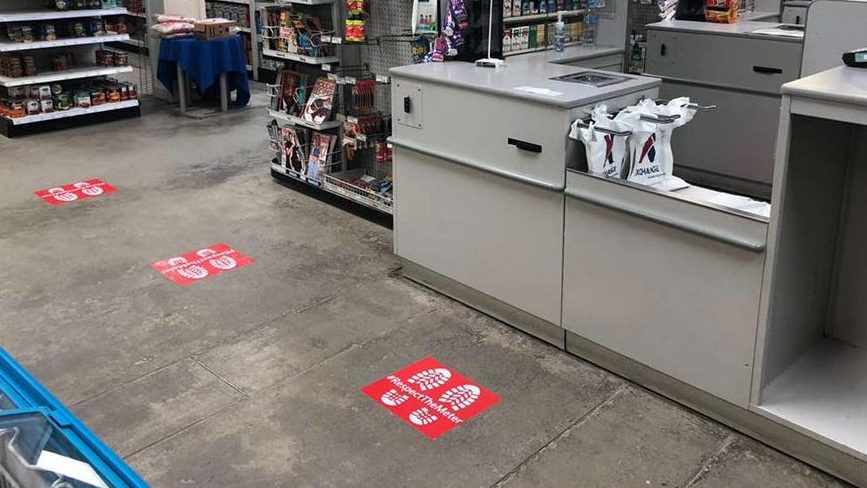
column 755, row 321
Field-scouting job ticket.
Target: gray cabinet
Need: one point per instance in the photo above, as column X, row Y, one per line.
column 670, row 283
column 739, row 72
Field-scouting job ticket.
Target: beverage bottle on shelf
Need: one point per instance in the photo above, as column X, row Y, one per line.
column 559, row 34
column 589, row 34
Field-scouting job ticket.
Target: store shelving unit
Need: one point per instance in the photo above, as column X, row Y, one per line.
column 300, row 58
column 70, row 74
column 345, row 68
column 550, row 16
column 83, row 51
column 331, row 124
column 40, row 15
column 8, row 47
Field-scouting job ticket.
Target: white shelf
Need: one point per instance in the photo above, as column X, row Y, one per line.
column 536, row 49
column 824, row 392
column 244, row 29
column 70, row 74
column 299, row 57
column 140, row 15
column 241, row 2
column 550, row 15
column 331, row 124
column 75, row 112
column 307, row 2
column 134, row 42
column 6, row 46
column 25, row 15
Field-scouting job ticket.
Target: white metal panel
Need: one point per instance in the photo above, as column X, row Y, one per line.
column 835, row 26
column 684, row 304
column 496, row 235
column 477, row 126
column 723, row 60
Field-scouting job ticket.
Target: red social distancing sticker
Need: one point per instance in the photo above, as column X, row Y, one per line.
column 201, row 264
column 431, row 397
column 82, row 190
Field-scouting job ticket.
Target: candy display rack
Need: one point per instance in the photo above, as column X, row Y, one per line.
column 54, row 55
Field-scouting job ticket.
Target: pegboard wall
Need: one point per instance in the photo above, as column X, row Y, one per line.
column 641, row 13
column 390, row 22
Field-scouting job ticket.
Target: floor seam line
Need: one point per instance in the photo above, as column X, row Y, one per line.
column 706, row 464
column 352, row 346
column 574, row 425
column 128, row 382
column 240, row 390
column 174, row 433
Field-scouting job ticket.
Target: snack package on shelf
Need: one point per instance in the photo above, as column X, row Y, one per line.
column 721, row 11
column 320, row 103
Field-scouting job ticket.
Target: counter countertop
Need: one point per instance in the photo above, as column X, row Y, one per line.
column 530, row 71
column 743, row 28
column 841, row 84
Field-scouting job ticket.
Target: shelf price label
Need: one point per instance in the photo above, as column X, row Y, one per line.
column 352, row 119
column 336, row 40
column 332, row 77
column 326, row 67
column 325, row 39
column 383, row 79
column 361, row 137
column 350, row 80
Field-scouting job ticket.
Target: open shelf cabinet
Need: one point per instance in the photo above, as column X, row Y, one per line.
column 812, row 351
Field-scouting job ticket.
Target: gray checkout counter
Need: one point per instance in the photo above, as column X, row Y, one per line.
column 739, row 69
column 759, row 323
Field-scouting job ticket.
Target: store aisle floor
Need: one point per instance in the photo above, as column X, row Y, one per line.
column 253, row 378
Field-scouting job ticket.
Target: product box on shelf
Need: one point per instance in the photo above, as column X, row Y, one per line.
column 213, row 28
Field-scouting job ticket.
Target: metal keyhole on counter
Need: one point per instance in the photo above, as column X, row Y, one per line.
column 407, row 105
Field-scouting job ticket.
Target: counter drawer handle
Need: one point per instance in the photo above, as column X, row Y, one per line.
column 663, row 50
column 767, row 70
column 525, row 146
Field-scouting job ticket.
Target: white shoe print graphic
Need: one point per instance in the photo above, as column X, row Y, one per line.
column 422, row 416
column 392, row 398
column 191, row 271
column 62, row 195
column 430, row 378
column 460, row 397
column 223, row 262
column 88, row 190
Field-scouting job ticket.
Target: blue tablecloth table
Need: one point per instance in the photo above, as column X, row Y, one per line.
column 212, row 64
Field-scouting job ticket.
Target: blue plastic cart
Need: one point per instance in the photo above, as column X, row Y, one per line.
column 43, row 445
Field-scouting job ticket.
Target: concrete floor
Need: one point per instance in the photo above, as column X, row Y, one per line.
column 253, row 378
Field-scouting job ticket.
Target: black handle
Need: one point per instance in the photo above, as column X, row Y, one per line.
column 407, row 105
column 662, row 50
column 767, row 70
column 798, row 19
column 525, row 146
